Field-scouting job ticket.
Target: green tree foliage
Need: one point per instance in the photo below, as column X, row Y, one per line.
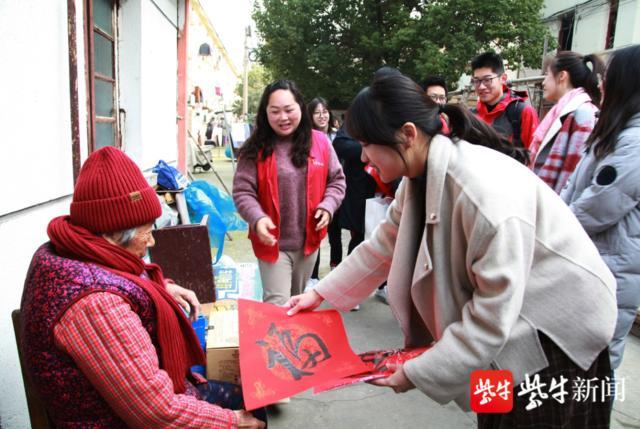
column 332, row 47
column 258, row 78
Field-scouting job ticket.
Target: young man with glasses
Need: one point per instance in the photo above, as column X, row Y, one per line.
column 507, row 111
column 436, row 88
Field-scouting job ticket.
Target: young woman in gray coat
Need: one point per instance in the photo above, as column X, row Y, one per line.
column 604, row 190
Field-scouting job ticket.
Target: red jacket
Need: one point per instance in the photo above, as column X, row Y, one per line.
column 497, row 117
column 267, row 174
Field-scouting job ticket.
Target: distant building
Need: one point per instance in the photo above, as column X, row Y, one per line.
column 593, row 26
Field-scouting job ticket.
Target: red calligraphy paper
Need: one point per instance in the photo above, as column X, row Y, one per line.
column 379, row 365
column 283, row 355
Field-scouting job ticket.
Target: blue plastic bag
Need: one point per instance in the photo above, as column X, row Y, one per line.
column 169, row 177
column 205, row 199
column 224, row 204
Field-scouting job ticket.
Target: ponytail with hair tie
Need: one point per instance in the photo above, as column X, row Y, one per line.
column 587, row 60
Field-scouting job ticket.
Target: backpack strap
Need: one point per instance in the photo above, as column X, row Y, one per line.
column 514, row 114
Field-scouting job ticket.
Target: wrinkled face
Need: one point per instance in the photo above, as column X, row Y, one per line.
column 283, row 113
column 550, row 87
column 321, row 117
column 141, row 241
column 488, row 85
column 385, row 160
column 437, row 94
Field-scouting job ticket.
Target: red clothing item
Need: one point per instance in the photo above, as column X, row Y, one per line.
column 315, row 186
column 107, row 341
column 528, row 119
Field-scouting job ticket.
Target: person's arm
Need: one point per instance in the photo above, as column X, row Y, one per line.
column 107, row 341
column 336, row 185
column 367, row 267
column 499, row 259
column 245, row 192
column 614, row 190
column 528, row 124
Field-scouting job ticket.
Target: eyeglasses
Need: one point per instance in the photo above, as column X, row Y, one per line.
column 438, row 97
column 486, row 81
column 321, row 113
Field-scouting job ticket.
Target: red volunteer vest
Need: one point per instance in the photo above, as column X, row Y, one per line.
column 317, row 173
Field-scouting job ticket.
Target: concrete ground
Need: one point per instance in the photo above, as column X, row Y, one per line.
column 374, row 327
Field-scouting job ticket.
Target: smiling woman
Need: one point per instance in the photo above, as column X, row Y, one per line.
column 288, row 185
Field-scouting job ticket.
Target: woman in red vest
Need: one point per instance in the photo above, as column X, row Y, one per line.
column 288, row 184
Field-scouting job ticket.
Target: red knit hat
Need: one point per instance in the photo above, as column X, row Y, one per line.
column 111, row 194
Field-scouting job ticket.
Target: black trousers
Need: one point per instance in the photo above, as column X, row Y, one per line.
column 573, row 414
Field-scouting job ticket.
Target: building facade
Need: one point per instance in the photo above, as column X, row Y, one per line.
column 593, row 26
column 78, row 75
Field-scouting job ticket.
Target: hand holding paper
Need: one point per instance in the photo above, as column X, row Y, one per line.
column 306, row 301
column 398, row 381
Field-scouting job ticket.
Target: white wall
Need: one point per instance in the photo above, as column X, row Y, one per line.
column 35, row 149
column 554, row 6
column 20, row 235
column 590, row 30
column 36, row 132
column 628, row 23
column 148, row 80
column 159, row 84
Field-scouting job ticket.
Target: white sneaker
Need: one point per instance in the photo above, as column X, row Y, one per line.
column 381, row 294
column 311, row 283
column 356, row 308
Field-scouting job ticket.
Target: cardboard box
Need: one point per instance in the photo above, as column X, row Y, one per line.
column 223, row 359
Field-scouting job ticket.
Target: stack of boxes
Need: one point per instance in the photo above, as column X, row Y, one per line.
column 232, row 282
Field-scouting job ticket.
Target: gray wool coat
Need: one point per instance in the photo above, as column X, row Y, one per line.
column 605, row 197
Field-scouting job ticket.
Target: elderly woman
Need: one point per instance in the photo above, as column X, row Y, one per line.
column 105, row 341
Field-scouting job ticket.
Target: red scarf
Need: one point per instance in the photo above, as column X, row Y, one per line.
column 179, row 346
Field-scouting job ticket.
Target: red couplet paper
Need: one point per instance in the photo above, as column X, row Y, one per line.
column 283, row 355
column 380, row 364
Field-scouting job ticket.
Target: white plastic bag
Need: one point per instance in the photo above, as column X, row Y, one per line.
column 375, row 212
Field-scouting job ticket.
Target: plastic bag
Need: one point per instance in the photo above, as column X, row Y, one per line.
column 205, row 199
column 224, row 204
column 375, row 213
column 169, row 177
column 169, row 216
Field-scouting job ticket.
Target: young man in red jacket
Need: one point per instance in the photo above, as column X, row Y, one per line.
column 507, row 111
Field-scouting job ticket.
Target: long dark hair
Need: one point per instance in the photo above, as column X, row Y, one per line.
column 621, row 100
column 311, row 107
column 380, row 110
column 580, row 73
column 263, row 138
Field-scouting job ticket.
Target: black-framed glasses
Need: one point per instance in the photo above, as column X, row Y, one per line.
column 321, row 113
column 486, row 81
column 438, row 97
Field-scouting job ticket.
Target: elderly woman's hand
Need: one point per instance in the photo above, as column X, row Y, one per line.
column 247, row 421
column 186, row 298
